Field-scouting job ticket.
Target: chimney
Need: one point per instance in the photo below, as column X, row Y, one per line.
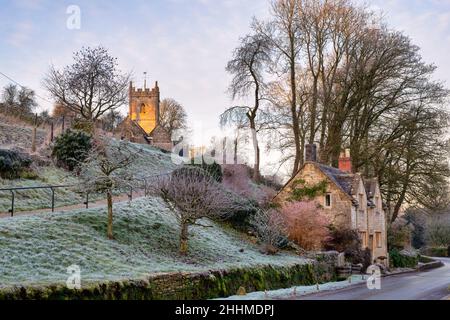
column 345, row 161
column 311, row 153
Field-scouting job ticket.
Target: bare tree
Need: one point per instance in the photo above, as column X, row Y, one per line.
column 193, row 194
column 91, row 86
column 106, row 169
column 19, row 102
column 246, row 66
column 172, row 116
column 283, row 34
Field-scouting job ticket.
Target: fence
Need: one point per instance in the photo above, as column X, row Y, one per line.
column 143, row 185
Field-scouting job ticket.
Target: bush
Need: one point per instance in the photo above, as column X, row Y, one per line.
column 214, row 169
column 399, row 235
column 241, row 219
column 13, row 164
column 399, row 259
column 438, row 232
column 348, row 241
column 271, row 229
column 435, row 251
column 307, row 224
column 237, row 177
column 71, row 148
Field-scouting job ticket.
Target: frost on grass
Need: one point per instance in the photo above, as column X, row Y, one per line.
column 299, row 290
column 38, row 249
column 151, row 162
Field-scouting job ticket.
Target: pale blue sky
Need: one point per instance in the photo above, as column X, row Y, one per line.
column 184, row 44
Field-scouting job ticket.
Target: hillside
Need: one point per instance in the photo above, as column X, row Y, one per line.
column 38, row 249
column 13, row 134
column 151, row 161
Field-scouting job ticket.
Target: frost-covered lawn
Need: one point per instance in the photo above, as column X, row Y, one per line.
column 150, row 162
column 38, row 249
column 299, row 290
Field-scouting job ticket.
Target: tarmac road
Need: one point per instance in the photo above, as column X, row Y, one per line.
column 428, row 285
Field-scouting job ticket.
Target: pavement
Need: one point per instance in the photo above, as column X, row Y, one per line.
column 427, row 285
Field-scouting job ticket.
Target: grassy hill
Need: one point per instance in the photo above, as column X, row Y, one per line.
column 38, row 249
column 150, row 162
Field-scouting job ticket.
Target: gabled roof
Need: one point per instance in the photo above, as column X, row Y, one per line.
column 348, row 183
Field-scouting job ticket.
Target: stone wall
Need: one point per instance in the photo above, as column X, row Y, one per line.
column 341, row 205
column 183, row 286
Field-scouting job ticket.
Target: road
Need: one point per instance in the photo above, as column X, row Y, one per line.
column 429, row 285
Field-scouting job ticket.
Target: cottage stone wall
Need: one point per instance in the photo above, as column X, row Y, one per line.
column 340, row 210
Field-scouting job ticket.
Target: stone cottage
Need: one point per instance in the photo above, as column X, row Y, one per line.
column 142, row 124
column 350, row 200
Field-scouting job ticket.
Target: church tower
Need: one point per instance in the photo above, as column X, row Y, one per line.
column 144, row 107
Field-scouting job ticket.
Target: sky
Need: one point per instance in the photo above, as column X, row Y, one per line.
column 183, row 44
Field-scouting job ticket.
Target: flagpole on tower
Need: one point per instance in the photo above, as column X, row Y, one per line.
column 145, row 80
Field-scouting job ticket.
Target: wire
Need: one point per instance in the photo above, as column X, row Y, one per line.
column 23, row 87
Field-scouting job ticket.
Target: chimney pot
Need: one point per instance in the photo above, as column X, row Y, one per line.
column 345, row 161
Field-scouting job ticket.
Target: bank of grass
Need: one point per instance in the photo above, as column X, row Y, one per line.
column 36, row 250
column 151, row 161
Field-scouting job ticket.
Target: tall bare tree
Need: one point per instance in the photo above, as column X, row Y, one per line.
column 172, row 116
column 247, row 67
column 282, row 32
column 91, row 86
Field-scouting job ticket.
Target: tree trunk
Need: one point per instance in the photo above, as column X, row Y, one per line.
column 256, row 174
column 235, row 157
column 295, row 122
column 110, row 215
column 184, row 238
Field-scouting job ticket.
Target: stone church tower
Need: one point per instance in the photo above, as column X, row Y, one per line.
column 142, row 124
column 144, row 107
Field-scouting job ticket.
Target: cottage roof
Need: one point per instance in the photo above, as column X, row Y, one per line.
column 347, row 182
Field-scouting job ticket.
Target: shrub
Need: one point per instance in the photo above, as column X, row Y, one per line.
column 13, row 164
column 271, row 229
column 399, row 259
column 438, row 232
column 435, row 251
column 238, row 179
column 71, row 148
column 348, row 241
column 214, row 169
column 241, row 217
column 307, row 224
column 399, row 235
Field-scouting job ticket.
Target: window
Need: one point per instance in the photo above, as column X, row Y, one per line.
column 378, row 239
column 363, row 236
column 328, row 200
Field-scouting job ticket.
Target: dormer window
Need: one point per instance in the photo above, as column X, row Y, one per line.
column 328, row 200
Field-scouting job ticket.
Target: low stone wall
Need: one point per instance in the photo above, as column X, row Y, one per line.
column 429, row 263
column 182, row 286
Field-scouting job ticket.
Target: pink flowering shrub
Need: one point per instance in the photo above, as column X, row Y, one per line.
column 238, row 179
column 307, row 224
